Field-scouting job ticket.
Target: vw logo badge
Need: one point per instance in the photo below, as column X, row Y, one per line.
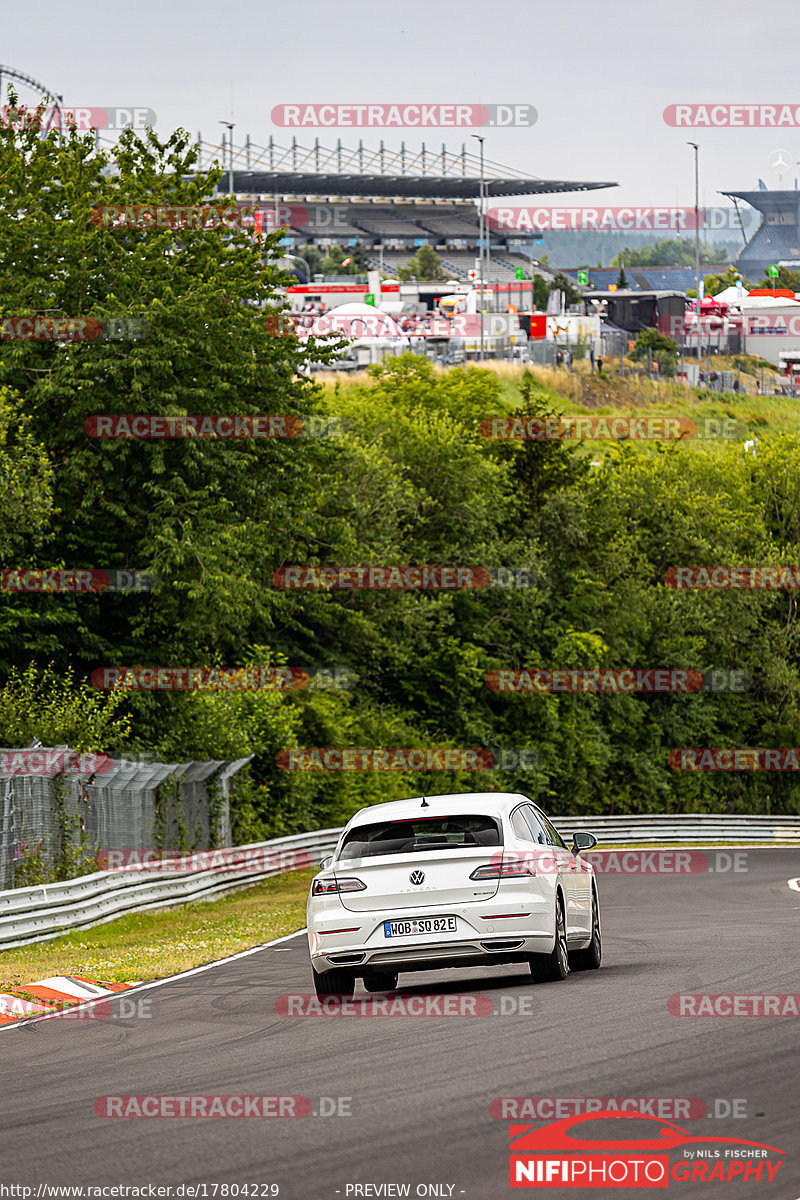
column 417, row 877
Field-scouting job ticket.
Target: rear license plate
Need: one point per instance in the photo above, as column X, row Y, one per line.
column 419, row 925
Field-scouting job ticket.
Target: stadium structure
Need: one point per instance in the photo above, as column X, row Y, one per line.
column 390, row 202
column 777, row 238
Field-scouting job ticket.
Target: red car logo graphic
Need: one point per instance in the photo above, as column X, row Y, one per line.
column 556, row 1136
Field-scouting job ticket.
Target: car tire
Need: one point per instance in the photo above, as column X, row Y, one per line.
column 553, row 967
column 385, row 982
column 590, row 958
column 334, row 983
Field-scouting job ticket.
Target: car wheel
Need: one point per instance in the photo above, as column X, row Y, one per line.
column 548, row 968
column 334, row 983
column 385, row 982
column 589, row 959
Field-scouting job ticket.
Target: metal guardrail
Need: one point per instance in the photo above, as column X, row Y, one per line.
column 35, row 914
column 688, row 827
column 45, row 911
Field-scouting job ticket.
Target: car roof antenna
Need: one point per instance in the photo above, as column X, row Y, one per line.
column 424, row 803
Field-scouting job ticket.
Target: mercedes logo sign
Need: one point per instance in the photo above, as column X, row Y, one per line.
column 417, row 877
column 779, row 160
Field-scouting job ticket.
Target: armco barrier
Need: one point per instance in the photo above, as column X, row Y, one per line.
column 35, row 914
column 691, row 827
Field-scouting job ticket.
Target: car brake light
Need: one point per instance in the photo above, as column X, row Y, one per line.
column 327, row 887
column 510, row 869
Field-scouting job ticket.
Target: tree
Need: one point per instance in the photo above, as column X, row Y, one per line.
column 713, row 284
column 622, row 278
column 541, row 293
column 784, row 279
column 26, row 502
column 59, row 710
column 330, row 263
column 669, row 252
column 562, row 284
column 664, row 350
column 424, row 265
column 311, row 256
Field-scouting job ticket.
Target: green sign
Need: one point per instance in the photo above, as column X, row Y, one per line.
column 583, row 276
column 773, row 272
column 519, row 273
column 370, row 298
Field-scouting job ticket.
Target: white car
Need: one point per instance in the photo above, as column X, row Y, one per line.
column 448, row 881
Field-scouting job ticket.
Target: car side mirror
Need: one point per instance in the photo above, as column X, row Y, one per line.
column 325, row 862
column 583, row 841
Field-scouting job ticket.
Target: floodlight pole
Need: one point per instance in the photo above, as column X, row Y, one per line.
column 481, row 139
column 229, row 125
column 697, row 236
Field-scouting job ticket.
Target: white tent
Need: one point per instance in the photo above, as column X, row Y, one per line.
column 730, row 295
column 368, row 326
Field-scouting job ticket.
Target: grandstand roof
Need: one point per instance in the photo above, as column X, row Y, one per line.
column 450, row 187
column 361, row 171
column 766, row 201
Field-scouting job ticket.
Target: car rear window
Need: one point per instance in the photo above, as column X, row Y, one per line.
column 420, row 834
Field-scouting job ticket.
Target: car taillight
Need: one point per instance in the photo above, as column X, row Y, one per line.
column 510, row 869
column 327, row 887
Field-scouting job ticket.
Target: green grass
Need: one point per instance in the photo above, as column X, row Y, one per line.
column 150, row 945
column 578, row 392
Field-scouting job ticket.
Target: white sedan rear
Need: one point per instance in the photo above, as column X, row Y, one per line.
column 449, row 881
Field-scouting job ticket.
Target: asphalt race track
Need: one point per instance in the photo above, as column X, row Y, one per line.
column 420, row 1087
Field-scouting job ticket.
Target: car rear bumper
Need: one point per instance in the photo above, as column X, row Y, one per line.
column 486, row 933
column 433, row 958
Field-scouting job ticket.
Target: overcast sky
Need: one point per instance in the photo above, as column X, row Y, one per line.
column 599, row 75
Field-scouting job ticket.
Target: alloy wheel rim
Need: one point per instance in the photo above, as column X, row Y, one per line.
column 562, row 940
column 596, row 932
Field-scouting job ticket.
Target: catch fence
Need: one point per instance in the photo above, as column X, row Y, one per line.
column 58, row 820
